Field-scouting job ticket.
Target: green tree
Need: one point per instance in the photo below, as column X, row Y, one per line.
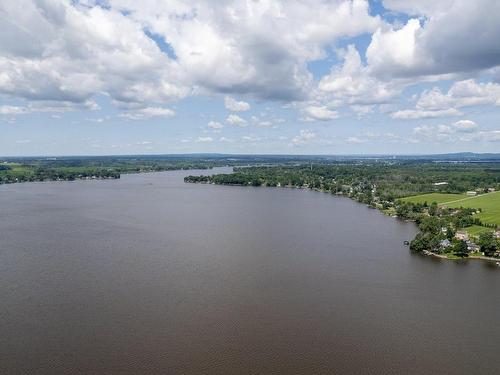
column 487, row 243
column 433, row 209
column 460, row 249
column 430, row 224
column 450, row 233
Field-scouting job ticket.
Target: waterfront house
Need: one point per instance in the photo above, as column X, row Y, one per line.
column 443, row 244
column 472, row 247
column 461, row 235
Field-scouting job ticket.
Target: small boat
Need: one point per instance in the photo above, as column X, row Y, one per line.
column 406, row 243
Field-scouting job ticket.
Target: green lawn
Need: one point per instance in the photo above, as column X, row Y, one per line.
column 489, row 203
column 17, row 170
column 476, row 230
column 433, row 197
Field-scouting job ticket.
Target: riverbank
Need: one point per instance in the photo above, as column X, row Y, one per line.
column 441, row 229
column 454, row 257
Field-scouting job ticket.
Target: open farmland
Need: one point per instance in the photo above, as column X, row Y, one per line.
column 488, row 203
column 439, row 198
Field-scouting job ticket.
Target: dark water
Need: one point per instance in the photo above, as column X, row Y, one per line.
column 151, row 275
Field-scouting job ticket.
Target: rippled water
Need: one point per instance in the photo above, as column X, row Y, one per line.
column 150, row 275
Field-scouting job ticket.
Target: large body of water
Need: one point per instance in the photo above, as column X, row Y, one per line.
column 150, row 275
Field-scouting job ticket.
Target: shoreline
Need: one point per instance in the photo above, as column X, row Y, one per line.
column 425, row 252
column 476, row 257
column 102, row 178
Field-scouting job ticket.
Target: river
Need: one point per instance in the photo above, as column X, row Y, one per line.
column 147, row 274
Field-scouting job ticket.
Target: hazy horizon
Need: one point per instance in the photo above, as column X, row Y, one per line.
column 248, row 154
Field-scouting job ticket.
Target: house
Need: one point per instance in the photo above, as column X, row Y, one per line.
column 440, row 183
column 471, row 193
column 472, row 247
column 460, row 235
column 443, row 244
column 497, row 234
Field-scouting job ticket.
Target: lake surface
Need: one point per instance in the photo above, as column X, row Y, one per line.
column 150, row 275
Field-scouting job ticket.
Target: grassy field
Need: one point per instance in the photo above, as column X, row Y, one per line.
column 17, row 170
column 476, row 230
column 434, row 197
column 488, row 203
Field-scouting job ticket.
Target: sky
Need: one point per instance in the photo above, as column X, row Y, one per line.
column 88, row 77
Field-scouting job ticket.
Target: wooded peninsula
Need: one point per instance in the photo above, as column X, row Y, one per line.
column 456, row 205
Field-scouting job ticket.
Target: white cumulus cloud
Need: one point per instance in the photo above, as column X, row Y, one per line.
column 204, row 140
column 304, row 136
column 234, row 105
column 445, row 37
column 411, row 114
column 148, row 112
column 215, row 126
column 321, row 113
column 236, row 120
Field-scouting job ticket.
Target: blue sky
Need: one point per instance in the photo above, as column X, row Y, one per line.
column 326, row 77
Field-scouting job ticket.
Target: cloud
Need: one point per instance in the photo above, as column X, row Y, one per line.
column 263, row 122
column 12, row 110
column 465, row 126
column 461, row 94
column 234, row 105
column 251, row 138
column 148, row 112
column 490, row 136
column 257, row 48
column 155, row 51
column 204, row 140
column 61, row 55
column 355, row 140
column 215, row 126
column 236, row 120
column 351, row 83
column 321, row 113
column 362, row 110
column 463, row 131
column 47, row 106
column 412, row 114
column 303, row 137
column 61, row 51
column 434, row 103
column 369, row 136
column 438, row 41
